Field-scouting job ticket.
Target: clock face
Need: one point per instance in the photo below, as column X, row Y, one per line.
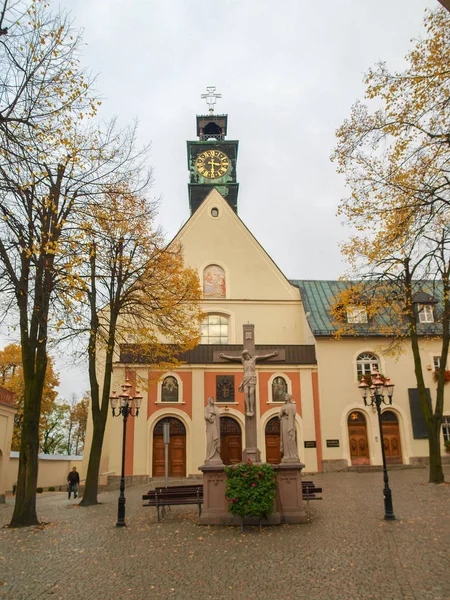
column 212, row 164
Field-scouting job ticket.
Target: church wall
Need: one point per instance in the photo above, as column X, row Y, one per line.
column 275, row 322
column 225, row 241
column 308, row 414
column 339, row 396
column 199, row 382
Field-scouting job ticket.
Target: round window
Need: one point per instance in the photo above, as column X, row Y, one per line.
column 214, row 212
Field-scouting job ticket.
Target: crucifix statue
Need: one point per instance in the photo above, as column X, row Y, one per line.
column 248, row 384
column 249, row 358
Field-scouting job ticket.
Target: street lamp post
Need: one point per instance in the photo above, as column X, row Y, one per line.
column 380, row 392
column 125, row 409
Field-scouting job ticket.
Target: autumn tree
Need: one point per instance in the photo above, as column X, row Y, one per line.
column 49, row 169
column 78, row 416
column 40, row 75
column 11, row 377
column 54, row 429
column 63, row 427
column 136, row 287
column 396, row 160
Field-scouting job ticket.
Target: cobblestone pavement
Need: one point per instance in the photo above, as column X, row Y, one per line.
column 347, row 552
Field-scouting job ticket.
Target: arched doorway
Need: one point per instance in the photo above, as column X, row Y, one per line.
column 272, row 433
column 230, row 441
column 391, row 438
column 177, row 449
column 357, row 437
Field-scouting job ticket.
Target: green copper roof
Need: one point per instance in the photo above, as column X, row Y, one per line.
column 319, row 296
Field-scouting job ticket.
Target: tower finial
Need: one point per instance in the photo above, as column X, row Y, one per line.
column 211, row 97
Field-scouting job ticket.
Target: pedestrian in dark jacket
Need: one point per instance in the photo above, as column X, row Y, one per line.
column 74, row 479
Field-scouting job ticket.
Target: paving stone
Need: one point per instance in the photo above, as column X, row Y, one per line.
column 347, row 552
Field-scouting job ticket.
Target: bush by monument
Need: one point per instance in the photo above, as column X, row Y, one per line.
column 250, row 489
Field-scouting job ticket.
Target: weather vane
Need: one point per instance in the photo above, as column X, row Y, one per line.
column 211, row 97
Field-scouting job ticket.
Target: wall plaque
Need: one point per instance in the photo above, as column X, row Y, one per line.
column 311, row 444
column 332, row 443
column 224, row 388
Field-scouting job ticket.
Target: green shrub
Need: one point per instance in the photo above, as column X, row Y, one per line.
column 51, row 489
column 250, row 489
column 39, row 490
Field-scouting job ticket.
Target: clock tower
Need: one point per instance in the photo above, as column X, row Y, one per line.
column 212, row 159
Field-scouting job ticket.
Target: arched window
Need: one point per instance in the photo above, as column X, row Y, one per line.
column 169, row 390
column 279, row 389
column 214, row 330
column 365, row 363
column 214, row 285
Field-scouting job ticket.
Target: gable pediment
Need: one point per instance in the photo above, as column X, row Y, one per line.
column 216, row 235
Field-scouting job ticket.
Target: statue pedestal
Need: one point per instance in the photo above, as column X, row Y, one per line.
column 215, row 506
column 289, row 502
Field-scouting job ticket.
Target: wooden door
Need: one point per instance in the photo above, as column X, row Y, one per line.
column 177, row 449
column 357, row 437
column 391, row 438
column 272, row 434
column 230, row 441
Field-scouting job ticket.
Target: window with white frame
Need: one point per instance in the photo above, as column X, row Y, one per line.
column 365, row 363
column 426, row 313
column 436, row 363
column 446, row 428
column 356, row 314
column 214, row 330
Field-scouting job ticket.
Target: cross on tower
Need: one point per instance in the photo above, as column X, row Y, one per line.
column 211, row 97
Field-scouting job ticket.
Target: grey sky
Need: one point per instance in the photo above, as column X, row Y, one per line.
column 288, row 73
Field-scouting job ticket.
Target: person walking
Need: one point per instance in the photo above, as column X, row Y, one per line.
column 74, row 479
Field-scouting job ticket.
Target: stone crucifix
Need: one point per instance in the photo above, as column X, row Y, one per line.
column 248, row 384
column 248, row 358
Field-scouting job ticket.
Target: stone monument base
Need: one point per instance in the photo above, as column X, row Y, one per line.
column 289, row 505
column 289, row 501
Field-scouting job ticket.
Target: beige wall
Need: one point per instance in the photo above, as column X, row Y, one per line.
column 53, row 470
column 6, row 431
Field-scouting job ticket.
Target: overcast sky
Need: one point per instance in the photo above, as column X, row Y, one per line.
column 288, row 73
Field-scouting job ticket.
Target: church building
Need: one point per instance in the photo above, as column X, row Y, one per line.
column 249, row 303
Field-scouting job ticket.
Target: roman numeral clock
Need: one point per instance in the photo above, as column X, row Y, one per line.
column 212, row 158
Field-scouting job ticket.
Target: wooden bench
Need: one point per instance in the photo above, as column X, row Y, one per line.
column 163, row 497
column 310, row 492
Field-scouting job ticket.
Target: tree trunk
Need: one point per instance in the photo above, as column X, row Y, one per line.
column 91, row 485
column 433, row 420
column 25, row 507
column 434, row 444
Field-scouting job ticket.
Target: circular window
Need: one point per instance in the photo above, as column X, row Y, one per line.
column 214, row 212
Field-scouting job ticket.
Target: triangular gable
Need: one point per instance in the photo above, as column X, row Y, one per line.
column 225, row 240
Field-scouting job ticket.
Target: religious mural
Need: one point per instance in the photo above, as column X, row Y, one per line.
column 214, row 282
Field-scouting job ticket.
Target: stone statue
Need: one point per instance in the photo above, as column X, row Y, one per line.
column 248, row 384
column 212, row 419
column 288, row 441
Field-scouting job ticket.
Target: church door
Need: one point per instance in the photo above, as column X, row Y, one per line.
column 391, row 438
column 177, row 449
column 230, row 441
column 357, row 436
column 273, row 452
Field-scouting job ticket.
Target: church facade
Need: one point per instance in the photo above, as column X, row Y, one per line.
column 248, row 302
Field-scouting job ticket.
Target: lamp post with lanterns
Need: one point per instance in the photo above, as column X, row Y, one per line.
column 380, row 392
column 126, row 405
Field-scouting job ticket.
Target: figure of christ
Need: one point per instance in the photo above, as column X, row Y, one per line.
column 248, row 384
